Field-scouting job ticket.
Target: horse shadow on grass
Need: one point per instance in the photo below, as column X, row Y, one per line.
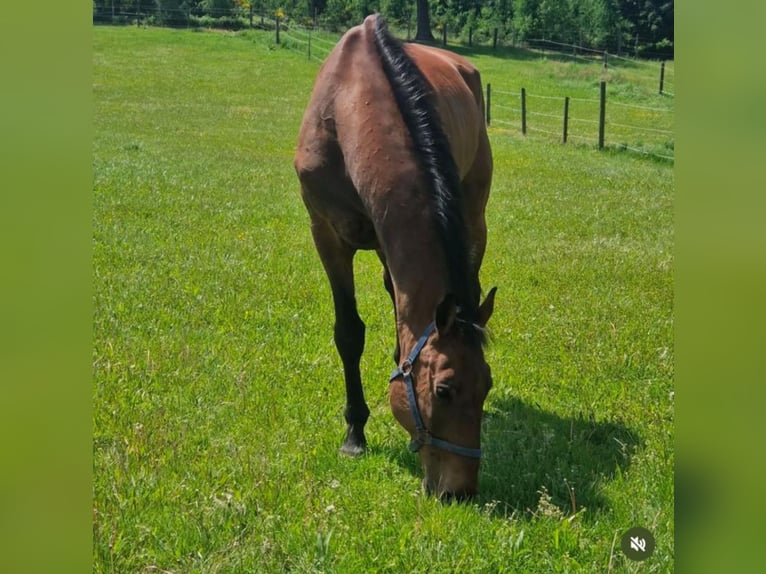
column 533, row 458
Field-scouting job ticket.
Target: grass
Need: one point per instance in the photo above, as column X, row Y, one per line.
column 218, row 397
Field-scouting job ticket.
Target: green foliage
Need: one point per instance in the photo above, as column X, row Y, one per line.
column 217, row 398
column 217, row 8
column 337, row 15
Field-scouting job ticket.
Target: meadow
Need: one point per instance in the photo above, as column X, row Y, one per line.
column 217, row 390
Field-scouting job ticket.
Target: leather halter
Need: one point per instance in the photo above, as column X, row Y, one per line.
column 423, row 436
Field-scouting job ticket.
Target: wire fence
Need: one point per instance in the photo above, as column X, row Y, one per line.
column 316, row 45
column 181, row 17
column 650, row 74
column 604, row 122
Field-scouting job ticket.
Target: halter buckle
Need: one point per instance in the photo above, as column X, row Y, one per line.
column 420, row 439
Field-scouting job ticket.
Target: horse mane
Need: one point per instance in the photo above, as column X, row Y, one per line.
column 433, row 151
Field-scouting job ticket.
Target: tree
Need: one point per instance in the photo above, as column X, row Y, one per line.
column 525, row 18
column 423, row 33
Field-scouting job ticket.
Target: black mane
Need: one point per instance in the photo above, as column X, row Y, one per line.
column 433, row 151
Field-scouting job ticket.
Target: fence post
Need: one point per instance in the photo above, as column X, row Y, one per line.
column 606, row 57
column 524, row 111
column 489, row 101
column 662, row 76
column 566, row 117
column 470, row 36
column 494, row 39
column 601, row 116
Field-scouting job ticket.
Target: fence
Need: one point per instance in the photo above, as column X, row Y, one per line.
column 315, row 44
column 667, row 76
column 642, row 129
column 587, row 55
column 181, row 17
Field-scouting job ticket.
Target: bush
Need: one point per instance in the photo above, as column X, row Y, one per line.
column 224, row 22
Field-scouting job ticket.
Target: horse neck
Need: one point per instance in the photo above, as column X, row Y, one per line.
column 419, row 276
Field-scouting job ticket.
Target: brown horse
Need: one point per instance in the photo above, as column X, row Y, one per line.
column 393, row 155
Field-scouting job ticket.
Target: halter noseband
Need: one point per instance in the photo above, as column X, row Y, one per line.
column 423, row 435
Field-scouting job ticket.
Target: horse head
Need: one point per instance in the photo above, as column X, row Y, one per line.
column 449, row 381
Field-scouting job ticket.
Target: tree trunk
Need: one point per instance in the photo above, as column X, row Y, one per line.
column 423, row 33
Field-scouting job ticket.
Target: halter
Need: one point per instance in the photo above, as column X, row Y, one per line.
column 423, row 436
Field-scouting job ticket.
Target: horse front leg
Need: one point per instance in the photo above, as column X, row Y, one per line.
column 337, row 259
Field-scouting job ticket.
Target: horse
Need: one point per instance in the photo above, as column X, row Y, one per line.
column 393, row 156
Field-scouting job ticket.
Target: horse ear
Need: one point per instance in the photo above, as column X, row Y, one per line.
column 445, row 314
column 486, row 308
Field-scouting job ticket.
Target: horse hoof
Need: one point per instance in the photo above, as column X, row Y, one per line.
column 352, row 450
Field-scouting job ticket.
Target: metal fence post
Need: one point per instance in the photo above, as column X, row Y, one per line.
column 601, row 116
column 523, row 111
column 489, row 101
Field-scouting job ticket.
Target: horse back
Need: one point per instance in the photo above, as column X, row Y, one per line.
column 355, row 154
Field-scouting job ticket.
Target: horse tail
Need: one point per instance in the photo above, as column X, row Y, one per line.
column 435, row 155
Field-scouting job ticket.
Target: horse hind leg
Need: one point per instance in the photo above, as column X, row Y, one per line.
column 337, row 259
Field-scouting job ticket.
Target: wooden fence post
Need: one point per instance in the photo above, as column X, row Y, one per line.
column 524, row 111
column 277, row 29
column 566, row 117
column 601, row 116
column 494, row 39
column 489, row 101
column 606, row 57
column 662, row 76
column 444, row 34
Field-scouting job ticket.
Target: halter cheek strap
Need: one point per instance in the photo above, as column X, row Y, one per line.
column 423, row 436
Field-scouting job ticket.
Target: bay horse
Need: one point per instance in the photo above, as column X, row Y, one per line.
column 393, row 155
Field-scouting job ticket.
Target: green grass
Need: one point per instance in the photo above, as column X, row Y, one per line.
column 218, row 394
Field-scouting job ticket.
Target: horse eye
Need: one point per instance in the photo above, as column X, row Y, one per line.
column 443, row 391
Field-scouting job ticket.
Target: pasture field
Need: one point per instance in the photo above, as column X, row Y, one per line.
column 218, row 393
